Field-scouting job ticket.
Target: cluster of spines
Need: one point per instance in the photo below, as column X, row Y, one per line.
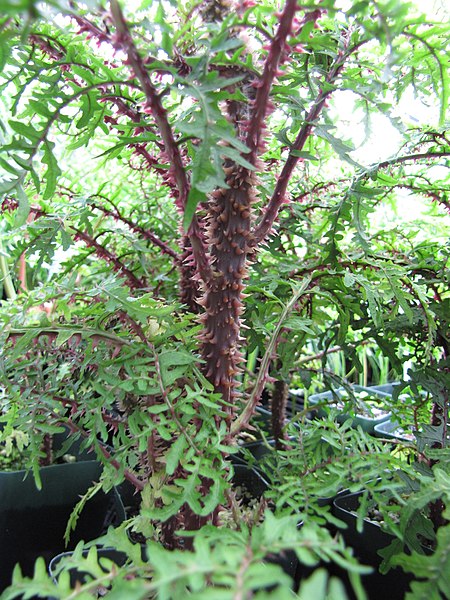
column 228, row 237
column 189, row 279
column 230, row 226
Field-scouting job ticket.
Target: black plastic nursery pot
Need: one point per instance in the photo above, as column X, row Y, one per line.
column 386, row 388
column 394, row 431
column 255, row 484
column 33, row 522
column 365, row 422
column 366, row 544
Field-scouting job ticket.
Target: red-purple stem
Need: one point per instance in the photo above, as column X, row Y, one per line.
column 406, row 158
column 261, row 102
column 124, row 41
column 278, row 198
column 133, row 281
column 148, row 235
column 131, row 477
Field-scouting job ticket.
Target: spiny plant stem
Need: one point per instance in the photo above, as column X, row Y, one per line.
column 229, row 236
column 277, row 49
column 413, row 157
column 125, row 42
column 278, row 404
column 241, row 591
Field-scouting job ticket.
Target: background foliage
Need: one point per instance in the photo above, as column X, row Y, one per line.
column 121, row 140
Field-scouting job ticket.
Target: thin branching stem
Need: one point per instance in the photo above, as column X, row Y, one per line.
column 243, row 419
column 419, row 156
column 278, row 198
column 125, row 42
column 102, row 252
column 260, row 105
column 148, row 235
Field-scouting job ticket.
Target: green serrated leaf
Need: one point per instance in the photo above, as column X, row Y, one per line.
column 23, row 209
column 26, row 130
column 193, row 200
column 62, row 337
column 53, row 170
column 304, row 155
column 175, row 453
